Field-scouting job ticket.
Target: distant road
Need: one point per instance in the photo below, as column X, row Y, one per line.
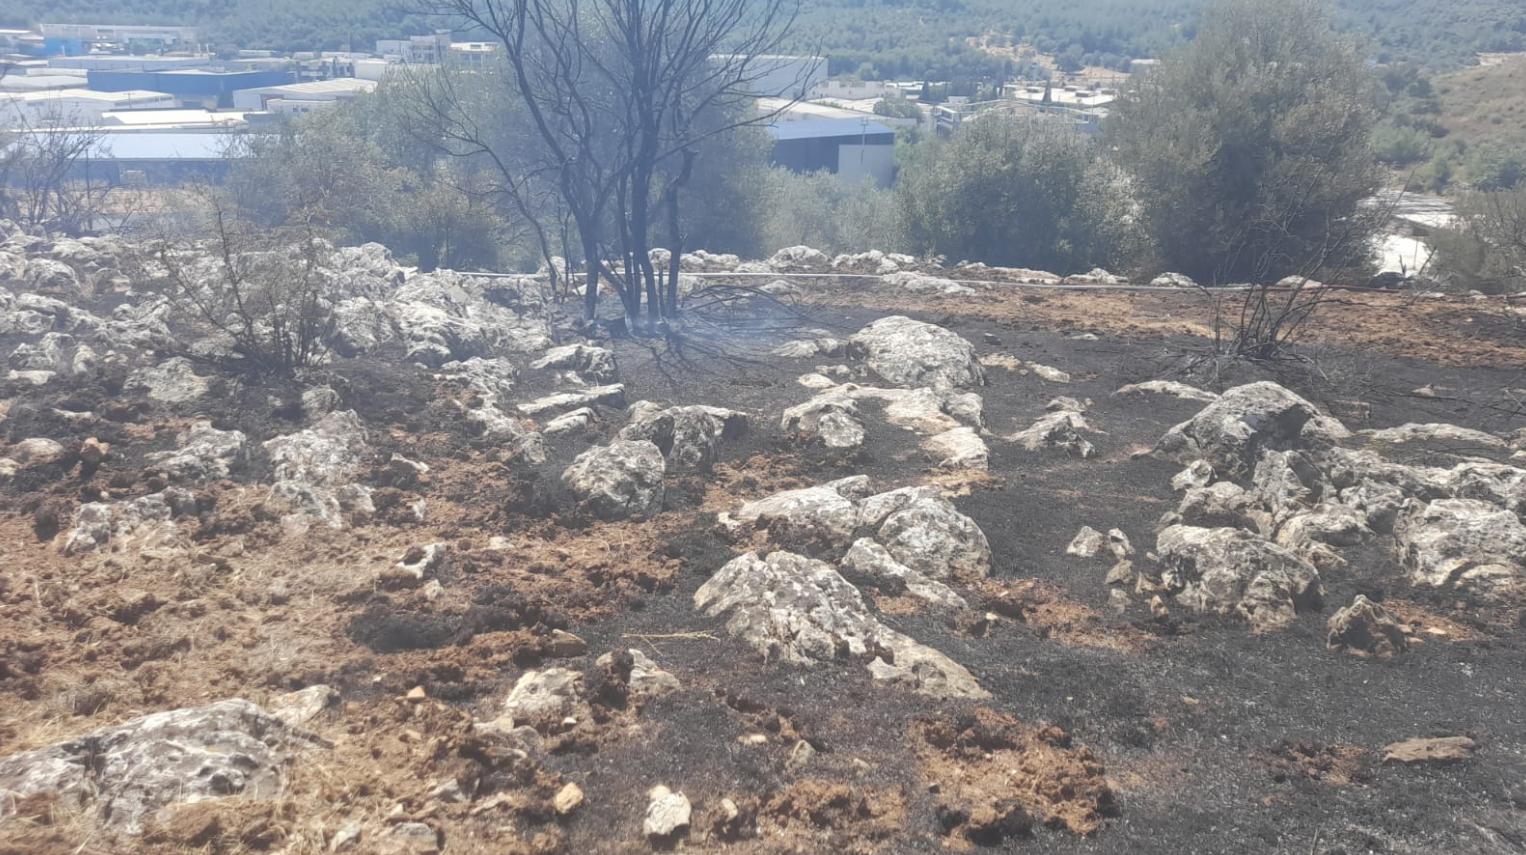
column 1418, row 208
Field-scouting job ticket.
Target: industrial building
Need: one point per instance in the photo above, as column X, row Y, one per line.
column 415, row 50
column 74, row 107
column 122, row 62
column 76, row 39
column 852, row 149
column 39, row 82
column 298, row 98
column 193, row 86
column 471, row 56
column 141, row 159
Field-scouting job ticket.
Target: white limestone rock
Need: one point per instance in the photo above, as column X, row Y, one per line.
column 619, row 480
column 1231, row 571
column 796, row 609
column 912, row 353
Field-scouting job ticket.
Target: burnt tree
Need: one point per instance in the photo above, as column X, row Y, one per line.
column 623, row 95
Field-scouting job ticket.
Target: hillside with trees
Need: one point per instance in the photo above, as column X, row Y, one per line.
column 872, row 38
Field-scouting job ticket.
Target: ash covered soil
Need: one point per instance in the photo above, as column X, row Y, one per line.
column 883, row 567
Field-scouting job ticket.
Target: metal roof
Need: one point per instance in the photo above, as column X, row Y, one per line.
column 828, row 129
column 316, row 87
column 165, row 146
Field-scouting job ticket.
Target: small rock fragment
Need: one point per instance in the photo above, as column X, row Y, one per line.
column 409, row 838
column 564, row 644
column 1446, row 749
column 1053, row 375
column 799, row 756
column 92, row 451
column 667, row 814
column 1086, row 544
column 1366, row 629
column 37, row 451
column 346, row 838
column 568, row 799
column 299, row 708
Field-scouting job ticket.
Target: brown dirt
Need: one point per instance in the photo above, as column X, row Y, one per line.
column 1457, row 330
column 993, row 777
column 1044, row 608
column 1337, row 765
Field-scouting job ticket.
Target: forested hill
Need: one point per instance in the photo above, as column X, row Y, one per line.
column 889, row 38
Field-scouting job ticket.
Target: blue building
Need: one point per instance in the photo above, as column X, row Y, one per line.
column 192, row 86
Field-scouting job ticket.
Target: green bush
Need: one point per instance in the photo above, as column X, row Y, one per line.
column 1016, row 191
column 1485, row 250
column 1250, row 148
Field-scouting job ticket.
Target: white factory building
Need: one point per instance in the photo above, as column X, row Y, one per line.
column 120, row 33
column 296, row 99
column 74, row 107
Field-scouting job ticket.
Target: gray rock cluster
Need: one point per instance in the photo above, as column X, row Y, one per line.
column 1274, row 492
column 314, row 470
column 689, row 437
column 124, row 774
column 618, row 480
column 905, row 352
column 796, row 609
column 786, row 605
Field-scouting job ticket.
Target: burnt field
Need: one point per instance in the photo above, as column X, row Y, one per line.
column 471, row 616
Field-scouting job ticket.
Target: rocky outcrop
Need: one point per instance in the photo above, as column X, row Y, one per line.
column 1233, row 431
column 1168, row 387
column 827, row 512
column 1365, row 628
column 144, row 522
column 1435, row 434
column 1230, row 571
column 919, row 528
column 1464, row 545
column 796, row 609
column 645, row 677
column 959, row 448
column 913, row 282
column 799, row 259
column 928, row 534
column 912, row 353
column 314, row 469
column 832, row 416
column 835, row 416
column 689, row 437
column 204, row 454
column 619, row 480
column 1060, row 431
column 869, row 560
column 124, row 774
column 545, row 700
column 612, row 396
column 593, row 364
column 172, row 381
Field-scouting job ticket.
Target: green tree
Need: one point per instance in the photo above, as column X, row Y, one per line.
column 1249, row 149
column 1496, row 167
column 1486, row 247
column 824, row 211
column 1015, row 190
column 339, row 171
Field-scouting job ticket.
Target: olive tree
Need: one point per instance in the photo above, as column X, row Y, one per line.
column 1249, row 148
column 1016, row 190
column 1485, row 249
